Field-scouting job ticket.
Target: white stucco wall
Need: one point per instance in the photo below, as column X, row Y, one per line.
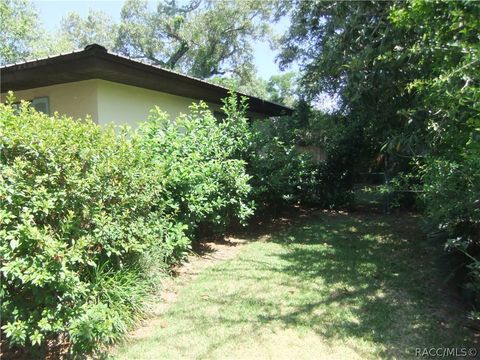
column 125, row 104
column 76, row 99
column 108, row 102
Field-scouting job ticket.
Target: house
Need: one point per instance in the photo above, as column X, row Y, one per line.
column 113, row 88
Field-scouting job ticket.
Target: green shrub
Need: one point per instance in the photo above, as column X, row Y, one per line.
column 280, row 174
column 79, row 207
column 451, row 199
column 89, row 215
column 205, row 184
column 336, row 174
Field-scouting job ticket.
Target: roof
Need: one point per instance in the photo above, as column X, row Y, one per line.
column 95, row 62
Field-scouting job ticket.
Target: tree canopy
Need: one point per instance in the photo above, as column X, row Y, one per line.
column 96, row 27
column 407, row 78
column 202, row 38
column 17, row 33
column 209, row 39
column 350, row 50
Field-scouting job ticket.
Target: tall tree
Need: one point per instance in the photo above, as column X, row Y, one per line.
column 352, row 51
column 19, row 30
column 96, row 27
column 446, row 113
column 282, row 88
column 203, row 38
column 407, row 74
column 251, row 85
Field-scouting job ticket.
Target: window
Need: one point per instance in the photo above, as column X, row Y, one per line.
column 41, row 105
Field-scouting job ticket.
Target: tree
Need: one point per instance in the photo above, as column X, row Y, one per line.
column 352, row 51
column 97, row 28
column 203, row 38
column 407, row 75
column 282, row 88
column 18, row 31
column 447, row 115
column 250, row 85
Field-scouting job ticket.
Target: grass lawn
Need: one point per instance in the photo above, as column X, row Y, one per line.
column 330, row 285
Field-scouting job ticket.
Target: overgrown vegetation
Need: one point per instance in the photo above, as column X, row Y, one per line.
column 205, row 180
column 280, row 173
column 88, row 214
column 446, row 159
column 407, row 81
column 283, row 173
column 203, row 38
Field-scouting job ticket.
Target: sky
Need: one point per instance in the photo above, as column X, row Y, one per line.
column 51, row 12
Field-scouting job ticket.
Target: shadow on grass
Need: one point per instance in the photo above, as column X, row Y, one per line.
column 370, row 278
column 381, row 271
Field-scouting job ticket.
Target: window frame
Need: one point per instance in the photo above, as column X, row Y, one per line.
column 41, row 100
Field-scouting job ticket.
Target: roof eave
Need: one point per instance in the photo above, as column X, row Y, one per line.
column 95, row 62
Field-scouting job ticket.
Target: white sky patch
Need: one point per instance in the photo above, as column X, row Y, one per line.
column 326, row 102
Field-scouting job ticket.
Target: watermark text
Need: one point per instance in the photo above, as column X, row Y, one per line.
column 446, row 352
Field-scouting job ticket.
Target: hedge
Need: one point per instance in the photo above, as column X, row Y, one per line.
column 87, row 213
column 90, row 215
